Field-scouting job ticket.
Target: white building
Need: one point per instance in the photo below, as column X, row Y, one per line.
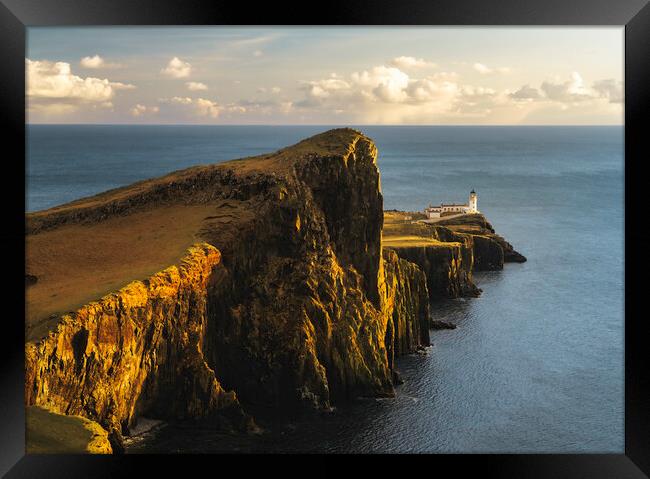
column 453, row 208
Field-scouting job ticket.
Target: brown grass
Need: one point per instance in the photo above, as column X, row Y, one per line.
column 87, row 248
column 411, row 240
column 337, row 142
column 50, row 433
column 400, row 225
column 76, row 264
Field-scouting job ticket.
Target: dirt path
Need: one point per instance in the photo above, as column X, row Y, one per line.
column 449, row 217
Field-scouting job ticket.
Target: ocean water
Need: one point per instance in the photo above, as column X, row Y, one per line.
column 536, row 363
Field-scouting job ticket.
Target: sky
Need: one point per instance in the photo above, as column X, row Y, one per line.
column 325, row 75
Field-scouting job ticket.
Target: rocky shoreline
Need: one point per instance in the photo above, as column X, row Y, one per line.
column 297, row 293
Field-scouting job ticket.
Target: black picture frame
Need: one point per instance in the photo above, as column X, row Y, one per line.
column 16, row 15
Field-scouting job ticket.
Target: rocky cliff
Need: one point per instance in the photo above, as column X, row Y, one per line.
column 449, row 250
column 446, row 258
column 282, row 296
column 491, row 251
column 139, row 349
column 446, row 268
column 286, row 299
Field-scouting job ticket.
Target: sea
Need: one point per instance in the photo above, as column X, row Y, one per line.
column 536, row 364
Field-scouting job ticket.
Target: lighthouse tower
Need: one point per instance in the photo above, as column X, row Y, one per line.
column 473, row 202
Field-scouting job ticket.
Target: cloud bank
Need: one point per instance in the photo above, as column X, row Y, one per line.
column 52, row 87
column 572, row 91
column 403, row 90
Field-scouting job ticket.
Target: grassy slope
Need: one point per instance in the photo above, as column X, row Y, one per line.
column 87, row 248
column 48, row 432
column 401, row 229
column 76, row 263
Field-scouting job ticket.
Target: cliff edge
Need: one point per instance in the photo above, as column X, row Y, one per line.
column 280, row 295
column 448, row 251
column 264, row 283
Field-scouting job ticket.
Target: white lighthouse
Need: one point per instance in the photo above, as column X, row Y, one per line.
column 473, row 202
column 446, row 209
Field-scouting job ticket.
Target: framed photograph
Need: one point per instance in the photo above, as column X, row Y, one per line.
column 371, row 229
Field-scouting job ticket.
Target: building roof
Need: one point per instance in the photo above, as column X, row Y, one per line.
column 453, row 204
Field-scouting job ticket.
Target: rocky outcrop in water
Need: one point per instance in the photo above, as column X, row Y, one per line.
column 488, row 254
column 491, row 250
column 446, row 258
column 449, row 250
column 446, row 268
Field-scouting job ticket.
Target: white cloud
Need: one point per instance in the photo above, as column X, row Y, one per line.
column 411, row 62
column 610, row 89
column 382, row 94
column 573, row 90
column 318, row 90
column 185, row 100
column 258, row 53
column 207, row 108
column 485, row 70
column 451, row 76
column 479, row 67
column 471, row 91
column 92, row 62
column 428, row 90
column 380, row 84
column 97, row 62
column 177, row 68
column 387, row 83
column 52, row 87
column 274, row 90
column 478, row 100
column 235, row 109
column 525, row 93
column 196, row 86
column 198, row 106
column 263, row 107
column 140, row 110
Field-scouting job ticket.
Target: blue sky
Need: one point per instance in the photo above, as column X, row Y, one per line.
column 329, row 75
